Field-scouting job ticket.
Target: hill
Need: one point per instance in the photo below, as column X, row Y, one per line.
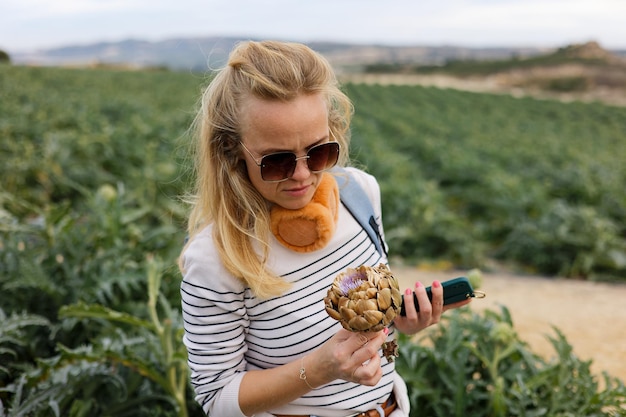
column 584, row 72
column 211, row 52
column 177, row 54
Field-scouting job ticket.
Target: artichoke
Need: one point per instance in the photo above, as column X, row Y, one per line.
column 365, row 299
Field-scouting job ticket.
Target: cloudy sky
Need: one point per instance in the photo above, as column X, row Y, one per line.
column 28, row 25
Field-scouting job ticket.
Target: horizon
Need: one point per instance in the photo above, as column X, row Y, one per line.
column 312, row 41
column 309, row 42
column 36, row 25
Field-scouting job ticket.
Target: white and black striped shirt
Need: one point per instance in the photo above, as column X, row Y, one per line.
column 229, row 331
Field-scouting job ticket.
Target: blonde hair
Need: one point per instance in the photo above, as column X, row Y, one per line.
column 223, row 194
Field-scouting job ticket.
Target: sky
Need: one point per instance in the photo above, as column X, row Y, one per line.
column 30, row 25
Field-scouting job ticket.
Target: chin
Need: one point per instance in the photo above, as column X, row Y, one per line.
column 294, row 204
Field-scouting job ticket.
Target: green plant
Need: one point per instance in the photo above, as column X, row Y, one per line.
column 4, row 57
column 567, row 240
column 93, row 163
column 460, row 174
column 16, row 341
column 161, row 336
column 568, row 84
column 110, row 375
column 476, row 365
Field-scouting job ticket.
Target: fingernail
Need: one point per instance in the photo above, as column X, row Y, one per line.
column 436, row 284
column 418, row 284
column 386, row 330
column 408, row 291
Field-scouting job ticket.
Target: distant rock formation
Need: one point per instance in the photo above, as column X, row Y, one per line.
column 589, row 50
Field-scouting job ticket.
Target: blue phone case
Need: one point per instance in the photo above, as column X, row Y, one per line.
column 454, row 290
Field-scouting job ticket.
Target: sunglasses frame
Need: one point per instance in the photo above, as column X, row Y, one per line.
column 259, row 162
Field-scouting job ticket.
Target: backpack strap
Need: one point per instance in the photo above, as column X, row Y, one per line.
column 359, row 205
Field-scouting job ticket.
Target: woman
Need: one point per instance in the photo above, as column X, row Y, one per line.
column 268, row 235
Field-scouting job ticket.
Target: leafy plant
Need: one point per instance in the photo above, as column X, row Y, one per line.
column 16, row 342
column 109, row 375
column 476, row 365
column 93, row 162
column 461, row 173
column 160, row 336
column 568, row 240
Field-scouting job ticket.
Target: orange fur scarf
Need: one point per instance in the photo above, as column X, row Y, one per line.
column 311, row 227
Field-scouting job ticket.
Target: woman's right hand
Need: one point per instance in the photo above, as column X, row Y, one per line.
column 349, row 356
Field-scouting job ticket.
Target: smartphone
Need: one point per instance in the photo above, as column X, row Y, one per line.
column 454, row 290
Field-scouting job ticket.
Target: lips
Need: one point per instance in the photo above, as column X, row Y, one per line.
column 298, row 191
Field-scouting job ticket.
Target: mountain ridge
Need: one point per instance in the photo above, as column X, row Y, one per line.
column 575, row 72
column 205, row 53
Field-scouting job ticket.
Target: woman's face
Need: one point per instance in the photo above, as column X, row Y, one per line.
column 270, row 126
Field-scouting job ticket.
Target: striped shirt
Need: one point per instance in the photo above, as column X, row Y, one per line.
column 229, row 331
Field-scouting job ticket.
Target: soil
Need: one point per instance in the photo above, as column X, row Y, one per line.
column 516, row 84
column 591, row 315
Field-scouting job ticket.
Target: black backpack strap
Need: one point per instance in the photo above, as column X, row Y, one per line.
column 359, row 205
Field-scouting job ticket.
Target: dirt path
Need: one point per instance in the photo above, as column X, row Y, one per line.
column 498, row 84
column 591, row 315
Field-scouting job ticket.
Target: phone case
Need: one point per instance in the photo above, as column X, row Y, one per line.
column 454, row 290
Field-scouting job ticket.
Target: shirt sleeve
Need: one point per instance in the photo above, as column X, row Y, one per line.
column 215, row 323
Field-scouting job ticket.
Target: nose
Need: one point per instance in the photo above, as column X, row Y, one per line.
column 302, row 171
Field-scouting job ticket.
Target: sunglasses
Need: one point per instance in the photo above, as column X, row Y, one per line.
column 280, row 166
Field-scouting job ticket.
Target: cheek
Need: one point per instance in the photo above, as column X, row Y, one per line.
column 266, row 189
column 269, row 192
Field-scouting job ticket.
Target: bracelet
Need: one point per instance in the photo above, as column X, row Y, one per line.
column 303, row 373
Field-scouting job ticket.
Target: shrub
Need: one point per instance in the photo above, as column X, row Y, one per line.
column 4, row 57
column 476, row 365
column 136, row 366
column 569, row 84
column 91, row 170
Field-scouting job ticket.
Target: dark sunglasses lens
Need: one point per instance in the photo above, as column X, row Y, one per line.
column 278, row 166
column 323, row 156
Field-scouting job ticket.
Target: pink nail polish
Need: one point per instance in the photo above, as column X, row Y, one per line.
column 386, row 330
column 436, row 284
column 418, row 284
column 408, row 291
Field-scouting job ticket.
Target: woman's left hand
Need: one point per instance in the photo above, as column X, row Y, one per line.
column 430, row 312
